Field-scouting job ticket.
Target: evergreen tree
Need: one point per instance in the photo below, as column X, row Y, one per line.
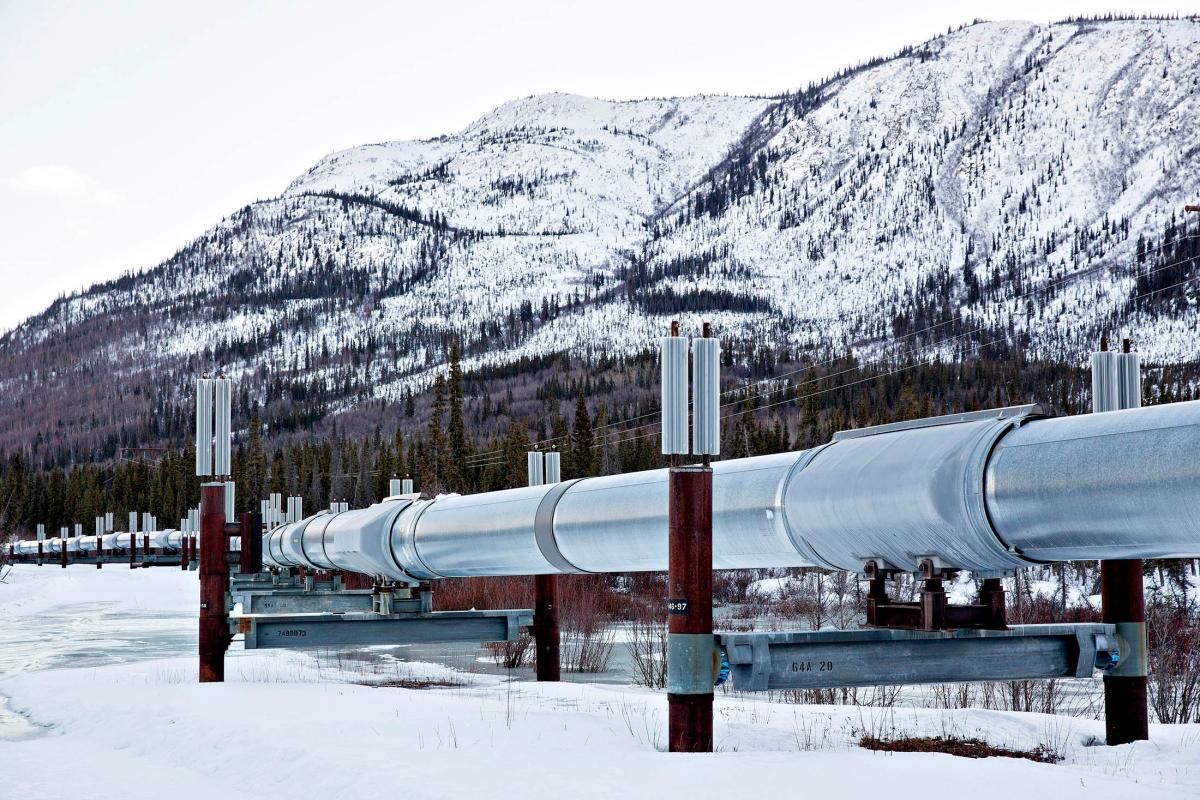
column 457, row 453
column 583, row 456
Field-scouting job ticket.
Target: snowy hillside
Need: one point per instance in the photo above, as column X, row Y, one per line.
column 1028, row 178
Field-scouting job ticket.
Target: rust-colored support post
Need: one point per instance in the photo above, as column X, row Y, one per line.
column 691, row 654
column 991, row 597
column 357, row 580
column 251, row 555
column 1121, row 596
column 62, row 551
column 546, row 636
column 1122, row 600
column 99, row 551
column 41, row 552
column 146, row 549
column 933, row 605
column 214, row 574
column 183, row 552
column 133, row 551
column 877, row 593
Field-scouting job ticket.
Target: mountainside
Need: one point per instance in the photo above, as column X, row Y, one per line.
column 1016, row 182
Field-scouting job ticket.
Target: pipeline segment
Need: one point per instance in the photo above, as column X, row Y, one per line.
column 987, row 492
column 168, row 541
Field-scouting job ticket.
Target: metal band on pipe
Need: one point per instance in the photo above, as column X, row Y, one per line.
column 543, row 528
column 693, row 662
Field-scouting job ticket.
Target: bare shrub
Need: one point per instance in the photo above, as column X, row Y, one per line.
column 1033, row 695
column 462, row 594
column 585, row 609
column 1173, row 639
column 954, row 695
column 733, row 586
column 648, row 648
column 512, row 654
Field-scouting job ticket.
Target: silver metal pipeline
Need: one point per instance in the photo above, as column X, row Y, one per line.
column 987, row 492
column 168, row 541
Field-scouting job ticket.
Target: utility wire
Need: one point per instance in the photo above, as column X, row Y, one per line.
column 913, row 365
column 493, row 457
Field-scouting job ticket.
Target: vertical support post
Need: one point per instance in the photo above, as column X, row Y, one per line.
column 876, row 592
column 214, row 574
column 62, row 548
column 133, row 550
column 991, row 597
column 933, row 605
column 547, row 636
column 690, row 649
column 1125, row 708
column 692, row 657
column 184, row 550
column 1126, row 717
column 251, row 555
column 41, row 540
column 146, row 548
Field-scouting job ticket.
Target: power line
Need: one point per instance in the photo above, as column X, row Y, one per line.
column 1044, row 287
column 489, row 458
column 914, row 365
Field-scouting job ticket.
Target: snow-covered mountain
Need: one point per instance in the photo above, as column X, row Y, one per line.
column 1022, row 181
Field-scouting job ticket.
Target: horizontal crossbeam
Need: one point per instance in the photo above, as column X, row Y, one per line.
column 363, row 629
column 875, row 657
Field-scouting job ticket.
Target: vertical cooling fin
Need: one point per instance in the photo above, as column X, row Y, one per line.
column 674, row 395
column 553, row 467
column 706, row 397
column 1105, row 389
column 204, row 418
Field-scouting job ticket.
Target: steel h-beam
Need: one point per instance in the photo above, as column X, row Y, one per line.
column 214, row 576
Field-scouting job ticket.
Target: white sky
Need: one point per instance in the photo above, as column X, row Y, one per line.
column 127, row 128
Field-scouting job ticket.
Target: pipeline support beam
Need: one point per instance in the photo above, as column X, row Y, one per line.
column 691, row 656
column 214, row 575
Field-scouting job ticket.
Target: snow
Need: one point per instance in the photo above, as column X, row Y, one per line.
column 997, row 140
column 287, row 723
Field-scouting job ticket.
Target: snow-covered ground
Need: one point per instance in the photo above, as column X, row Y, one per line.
column 95, row 710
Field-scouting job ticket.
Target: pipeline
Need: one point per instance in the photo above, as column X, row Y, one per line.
column 986, row 491
column 168, row 541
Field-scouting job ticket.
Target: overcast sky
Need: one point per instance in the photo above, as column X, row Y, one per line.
column 127, row 128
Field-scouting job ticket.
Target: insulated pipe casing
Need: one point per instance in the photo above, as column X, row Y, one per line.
column 986, row 492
